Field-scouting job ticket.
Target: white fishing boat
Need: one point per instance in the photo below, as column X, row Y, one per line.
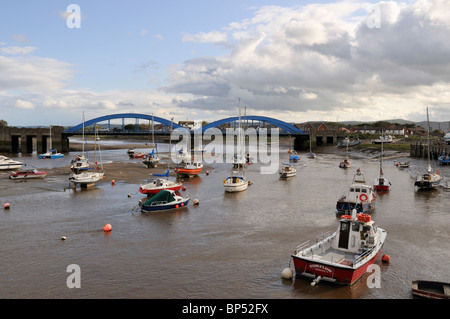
column 359, row 196
column 288, row 170
column 7, row 164
column 343, row 256
column 428, row 180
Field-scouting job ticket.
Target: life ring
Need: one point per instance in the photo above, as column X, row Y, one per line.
column 364, row 217
column 363, row 197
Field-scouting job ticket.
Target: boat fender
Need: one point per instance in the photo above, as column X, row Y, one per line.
column 287, row 273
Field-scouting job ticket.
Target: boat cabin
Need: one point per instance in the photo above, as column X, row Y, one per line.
column 356, row 234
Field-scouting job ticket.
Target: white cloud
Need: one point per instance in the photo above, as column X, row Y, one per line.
column 208, row 37
column 16, row 50
column 325, row 58
column 24, row 105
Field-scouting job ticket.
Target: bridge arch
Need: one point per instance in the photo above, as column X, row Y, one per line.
column 122, row 116
column 286, row 127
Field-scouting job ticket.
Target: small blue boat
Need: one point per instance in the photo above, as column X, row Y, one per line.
column 51, row 154
column 164, row 200
column 444, row 159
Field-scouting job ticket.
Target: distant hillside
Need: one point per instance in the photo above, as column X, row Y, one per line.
column 443, row 126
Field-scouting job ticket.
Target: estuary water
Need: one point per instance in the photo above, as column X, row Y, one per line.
column 229, row 246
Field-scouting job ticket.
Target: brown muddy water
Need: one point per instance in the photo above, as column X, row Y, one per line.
column 229, row 246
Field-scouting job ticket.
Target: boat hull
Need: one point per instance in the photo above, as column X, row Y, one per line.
column 381, row 188
column 5, row 167
column 43, row 156
column 338, row 274
column 344, row 206
column 27, row 175
column 86, row 178
column 188, row 172
column 156, row 190
column 162, row 207
column 431, row 289
column 233, row 188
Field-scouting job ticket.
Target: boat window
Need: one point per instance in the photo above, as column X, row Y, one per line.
column 352, row 189
column 364, row 190
column 358, row 190
column 374, row 228
column 355, row 226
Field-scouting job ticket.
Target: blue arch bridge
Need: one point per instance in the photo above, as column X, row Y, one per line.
column 144, row 124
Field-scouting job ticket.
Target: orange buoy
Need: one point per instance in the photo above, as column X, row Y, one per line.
column 6, row 206
column 385, row 258
column 207, row 173
column 182, row 204
column 176, row 206
column 107, row 227
column 113, row 182
column 184, row 188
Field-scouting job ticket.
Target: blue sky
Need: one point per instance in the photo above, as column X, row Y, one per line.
column 293, row 60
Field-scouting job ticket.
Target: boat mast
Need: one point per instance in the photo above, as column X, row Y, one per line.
column 429, row 141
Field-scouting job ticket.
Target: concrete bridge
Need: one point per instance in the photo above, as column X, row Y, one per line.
column 32, row 140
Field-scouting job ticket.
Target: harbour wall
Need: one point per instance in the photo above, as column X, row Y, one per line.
column 15, row 140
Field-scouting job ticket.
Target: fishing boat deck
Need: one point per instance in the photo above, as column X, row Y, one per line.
column 322, row 251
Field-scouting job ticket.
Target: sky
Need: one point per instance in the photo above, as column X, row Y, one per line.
column 296, row 61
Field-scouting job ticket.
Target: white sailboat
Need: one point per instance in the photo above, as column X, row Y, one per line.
column 346, row 162
column 428, row 180
column 162, row 182
column 81, row 164
column 237, row 181
column 89, row 178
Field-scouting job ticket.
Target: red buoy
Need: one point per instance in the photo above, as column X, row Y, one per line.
column 107, row 227
column 385, row 258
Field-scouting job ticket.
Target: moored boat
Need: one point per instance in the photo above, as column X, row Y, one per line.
column 190, row 169
column 132, row 154
column 348, row 142
column 159, row 184
column 431, row 289
column 381, row 183
column 6, row 163
column 86, row 178
column 346, row 163
column 80, row 164
column 27, row 174
column 444, row 159
column 164, row 200
column 359, row 196
column 236, row 182
column 428, row 180
column 287, row 170
column 383, row 139
column 343, row 256
column 151, row 160
column 51, row 154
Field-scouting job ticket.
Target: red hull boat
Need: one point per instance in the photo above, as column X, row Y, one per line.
column 344, row 256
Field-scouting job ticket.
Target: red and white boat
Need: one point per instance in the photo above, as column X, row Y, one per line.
column 344, row 256
column 27, row 174
column 159, row 184
column 132, row 154
column 191, row 168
